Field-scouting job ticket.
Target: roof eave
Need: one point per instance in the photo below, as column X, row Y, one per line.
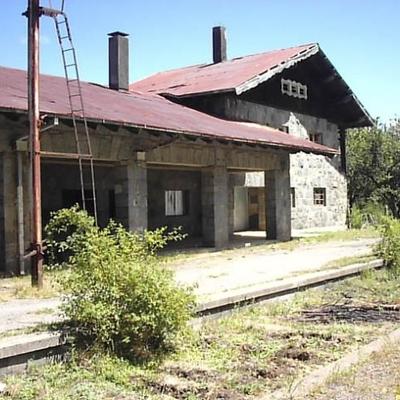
column 261, row 78
column 357, row 102
column 277, row 146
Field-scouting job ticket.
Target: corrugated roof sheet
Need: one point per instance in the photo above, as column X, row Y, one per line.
column 225, row 76
column 142, row 110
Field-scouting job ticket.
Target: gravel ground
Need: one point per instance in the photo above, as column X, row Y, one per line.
column 377, row 378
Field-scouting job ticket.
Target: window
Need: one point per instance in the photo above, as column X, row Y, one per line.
column 294, row 89
column 176, row 202
column 302, row 91
column 293, row 197
column 284, row 128
column 285, row 86
column 320, row 196
column 316, row 137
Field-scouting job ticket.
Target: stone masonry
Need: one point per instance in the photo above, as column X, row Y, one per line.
column 307, row 171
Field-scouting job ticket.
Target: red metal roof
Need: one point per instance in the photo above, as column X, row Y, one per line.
column 225, row 76
column 142, row 110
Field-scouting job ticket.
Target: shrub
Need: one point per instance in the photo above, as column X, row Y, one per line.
column 356, row 218
column 117, row 293
column 389, row 247
column 367, row 214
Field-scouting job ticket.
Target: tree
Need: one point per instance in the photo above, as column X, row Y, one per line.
column 374, row 166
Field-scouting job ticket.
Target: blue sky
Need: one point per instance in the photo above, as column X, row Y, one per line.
column 361, row 37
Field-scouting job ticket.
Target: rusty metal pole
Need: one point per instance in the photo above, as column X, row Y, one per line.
column 34, row 131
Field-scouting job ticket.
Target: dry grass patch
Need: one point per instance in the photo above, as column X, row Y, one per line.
column 20, row 287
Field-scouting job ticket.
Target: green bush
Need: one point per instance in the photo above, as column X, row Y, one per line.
column 356, row 218
column 367, row 214
column 117, row 294
column 389, row 247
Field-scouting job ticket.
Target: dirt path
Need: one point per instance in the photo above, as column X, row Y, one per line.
column 377, row 378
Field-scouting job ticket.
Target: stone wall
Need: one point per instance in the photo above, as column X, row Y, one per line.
column 307, row 171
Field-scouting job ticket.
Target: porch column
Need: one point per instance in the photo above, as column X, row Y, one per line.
column 277, row 202
column 215, row 198
column 231, row 204
column 8, row 214
column 131, row 194
column 137, row 195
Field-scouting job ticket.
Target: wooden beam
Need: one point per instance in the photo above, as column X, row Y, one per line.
column 343, row 100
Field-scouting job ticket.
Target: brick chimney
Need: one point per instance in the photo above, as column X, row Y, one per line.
column 118, row 61
column 219, row 44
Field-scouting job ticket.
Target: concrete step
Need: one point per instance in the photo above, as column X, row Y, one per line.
column 16, row 352
column 262, row 292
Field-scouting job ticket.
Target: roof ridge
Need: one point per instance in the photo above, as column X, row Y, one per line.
column 307, row 45
column 205, row 64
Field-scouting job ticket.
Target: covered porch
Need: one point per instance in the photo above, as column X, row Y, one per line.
column 144, row 180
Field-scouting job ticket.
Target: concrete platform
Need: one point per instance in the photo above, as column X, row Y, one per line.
column 217, row 275
column 17, row 352
column 259, row 293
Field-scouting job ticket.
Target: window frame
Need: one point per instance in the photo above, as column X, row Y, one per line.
column 316, row 137
column 293, row 197
column 319, row 196
column 179, row 207
column 294, row 89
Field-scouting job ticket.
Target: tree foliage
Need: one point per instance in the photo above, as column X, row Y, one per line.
column 374, row 166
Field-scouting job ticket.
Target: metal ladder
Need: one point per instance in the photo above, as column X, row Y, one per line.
column 74, row 89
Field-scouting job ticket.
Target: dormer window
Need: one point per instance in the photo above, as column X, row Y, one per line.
column 284, row 128
column 293, row 88
column 316, row 137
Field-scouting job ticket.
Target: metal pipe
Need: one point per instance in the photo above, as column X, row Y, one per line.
column 20, row 202
column 34, row 130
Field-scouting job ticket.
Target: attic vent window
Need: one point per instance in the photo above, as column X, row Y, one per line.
column 293, row 88
column 316, row 137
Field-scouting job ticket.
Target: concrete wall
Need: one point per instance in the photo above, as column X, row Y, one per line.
column 2, row 241
column 161, row 180
column 215, row 210
column 241, row 209
column 277, row 202
column 306, row 170
column 8, row 215
column 58, row 178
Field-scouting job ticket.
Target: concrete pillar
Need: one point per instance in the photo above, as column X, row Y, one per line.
column 8, row 214
column 131, row 194
column 137, row 195
column 231, row 205
column 277, row 202
column 215, row 199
